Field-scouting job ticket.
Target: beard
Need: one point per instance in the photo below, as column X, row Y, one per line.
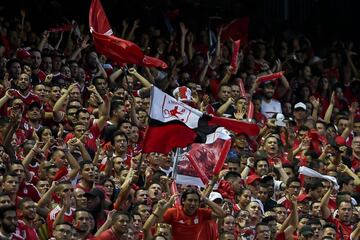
column 9, row 228
column 268, row 95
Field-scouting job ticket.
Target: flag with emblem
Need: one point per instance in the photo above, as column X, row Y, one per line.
column 175, row 124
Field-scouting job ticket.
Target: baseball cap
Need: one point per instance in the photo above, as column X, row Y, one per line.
column 265, row 179
column 215, row 196
column 306, row 230
column 251, row 179
column 300, row 105
column 182, row 93
column 34, row 104
column 22, row 53
column 95, row 192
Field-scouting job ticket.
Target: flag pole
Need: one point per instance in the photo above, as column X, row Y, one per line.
column 175, row 163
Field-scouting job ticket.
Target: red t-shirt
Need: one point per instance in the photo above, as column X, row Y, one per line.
column 355, row 163
column 68, row 217
column 29, row 98
column 107, row 235
column 280, row 236
column 26, row 231
column 28, row 190
column 342, row 231
column 188, row 227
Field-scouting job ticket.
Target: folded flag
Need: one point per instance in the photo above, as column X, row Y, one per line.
column 117, row 49
column 174, row 124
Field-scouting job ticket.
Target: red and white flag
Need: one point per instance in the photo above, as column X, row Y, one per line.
column 174, row 124
column 117, row 49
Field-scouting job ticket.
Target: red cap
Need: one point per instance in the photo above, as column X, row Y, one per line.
column 22, row 53
column 252, row 178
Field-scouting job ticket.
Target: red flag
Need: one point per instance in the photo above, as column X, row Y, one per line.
column 236, row 29
column 199, row 161
column 250, row 112
column 223, row 154
column 235, row 56
column 97, row 19
column 117, row 49
column 198, row 169
column 122, row 51
column 270, row 77
column 242, row 88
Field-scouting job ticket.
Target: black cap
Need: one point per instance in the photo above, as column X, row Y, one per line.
column 95, row 192
column 35, row 104
column 306, row 230
column 11, row 61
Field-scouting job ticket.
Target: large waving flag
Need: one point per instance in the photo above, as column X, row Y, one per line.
column 117, row 49
column 237, row 29
column 174, row 124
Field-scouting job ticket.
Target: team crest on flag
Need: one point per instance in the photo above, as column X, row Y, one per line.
column 171, row 110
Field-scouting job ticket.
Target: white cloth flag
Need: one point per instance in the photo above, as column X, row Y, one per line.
column 165, row 108
column 312, row 173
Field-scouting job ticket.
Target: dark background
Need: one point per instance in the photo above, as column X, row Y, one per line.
column 318, row 19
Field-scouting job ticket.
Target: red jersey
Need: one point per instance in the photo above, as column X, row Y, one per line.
column 26, row 231
column 29, row 98
column 41, row 75
column 68, row 217
column 342, row 231
column 107, row 235
column 355, row 162
column 28, row 190
column 189, row 227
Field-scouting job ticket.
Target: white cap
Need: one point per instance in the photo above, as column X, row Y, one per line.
column 215, row 195
column 182, row 94
column 300, row 105
column 315, row 60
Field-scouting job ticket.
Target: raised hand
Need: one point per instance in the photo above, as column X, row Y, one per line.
column 124, row 24
column 277, row 163
column 10, row 93
column 136, row 24
column 84, row 43
column 315, row 101
column 332, row 99
column 354, row 107
column 183, row 28
column 132, row 71
column 92, row 89
column 60, row 131
column 48, row 78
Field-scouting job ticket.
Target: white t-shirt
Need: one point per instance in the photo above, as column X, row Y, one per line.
column 271, row 108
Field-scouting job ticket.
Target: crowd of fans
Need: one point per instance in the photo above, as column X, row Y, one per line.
column 72, row 125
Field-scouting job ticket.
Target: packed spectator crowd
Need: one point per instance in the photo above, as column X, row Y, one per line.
column 72, row 125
